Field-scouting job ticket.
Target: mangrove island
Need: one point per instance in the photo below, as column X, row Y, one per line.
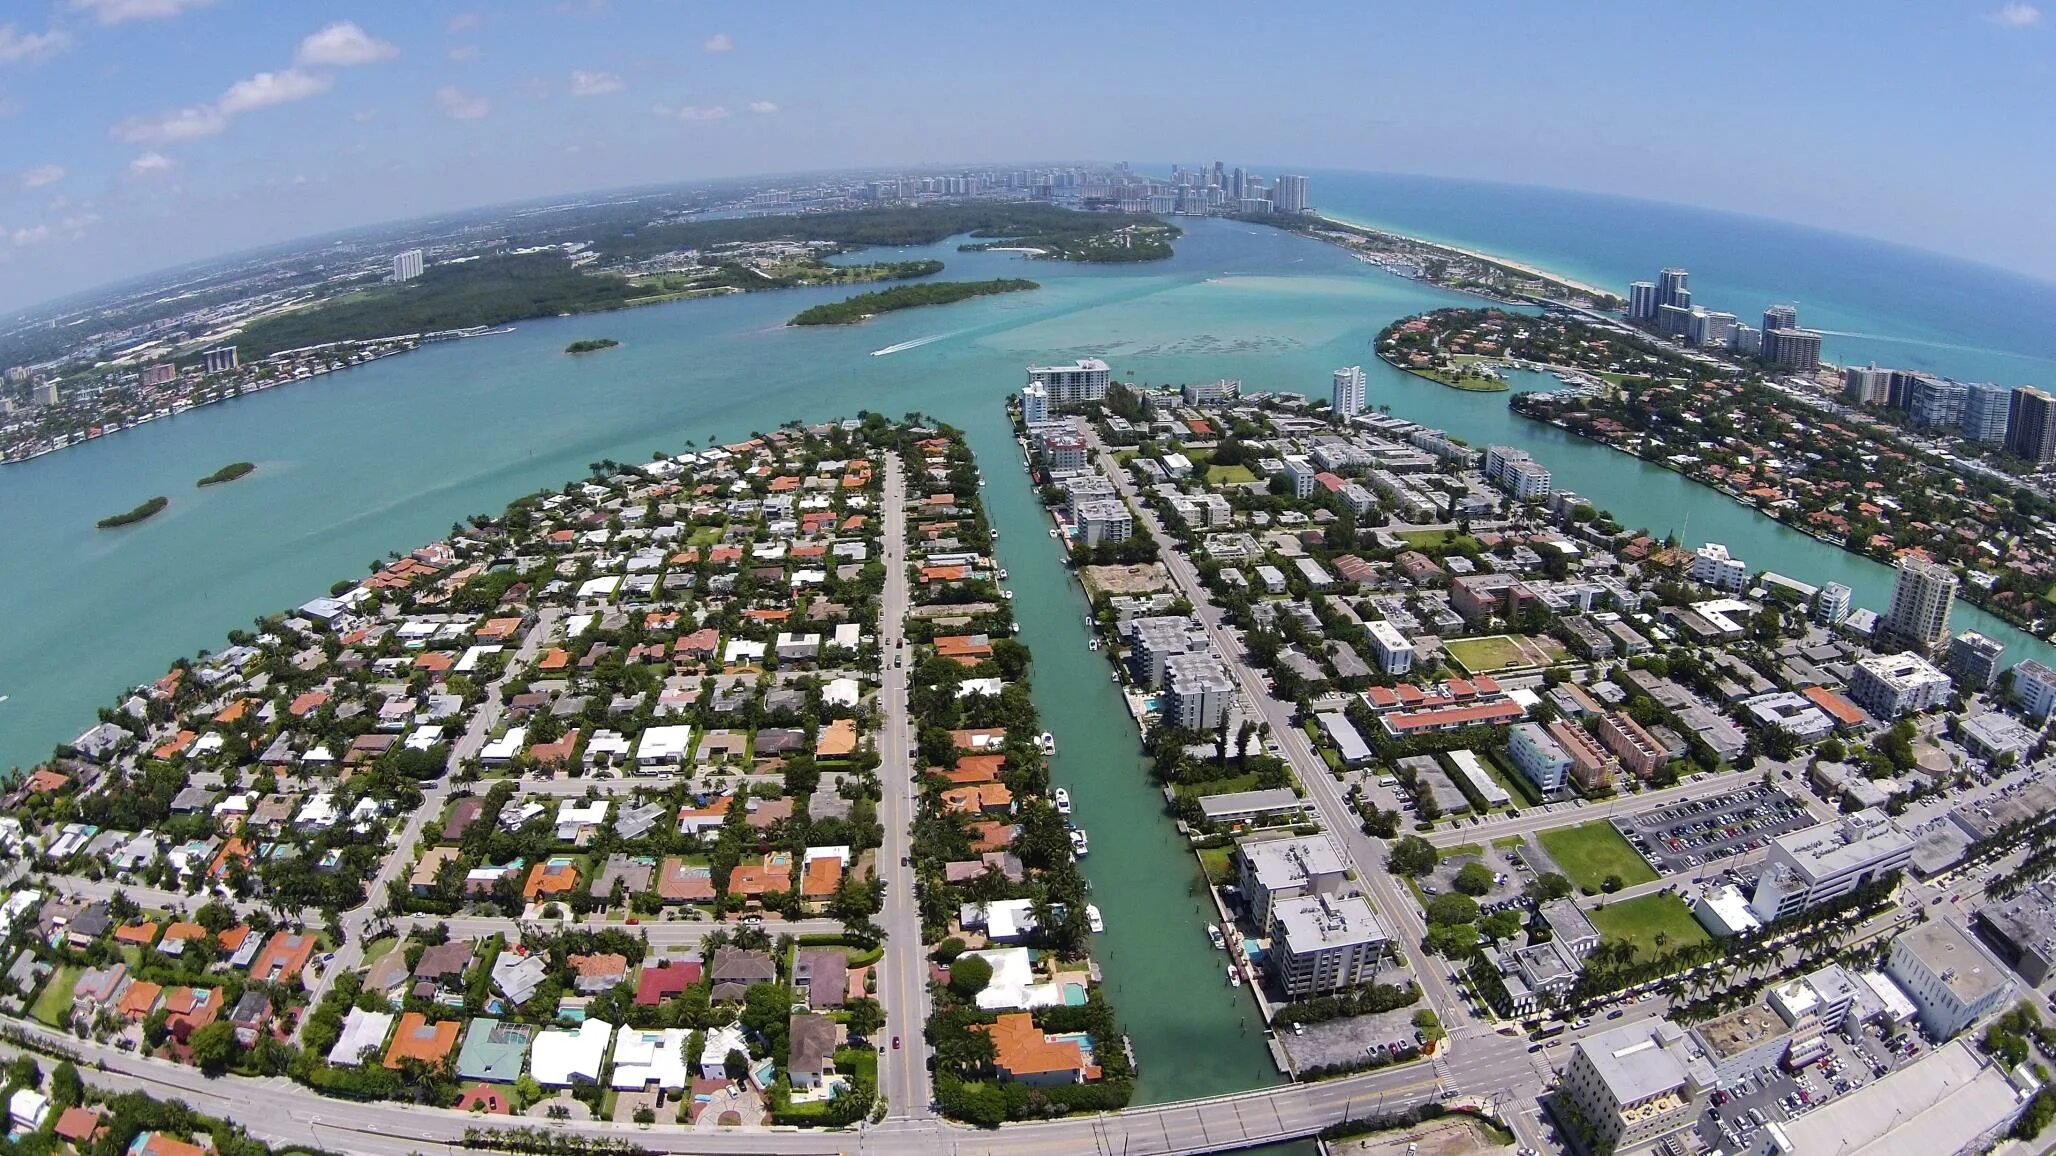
column 149, row 509
column 227, row 473
column 863, row 305
column 591, row 345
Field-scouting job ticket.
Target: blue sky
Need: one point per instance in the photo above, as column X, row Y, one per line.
column 140, row 133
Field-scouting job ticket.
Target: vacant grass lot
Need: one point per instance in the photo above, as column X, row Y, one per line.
column 1639, row 921
column 1434, row 542
column 54, row 1003
column 1496, row 652
column 1589, row 852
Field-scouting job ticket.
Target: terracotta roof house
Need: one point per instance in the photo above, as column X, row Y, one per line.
column 140, row 934
column 599, row 972
column 552, row 877
column 188, row 1009
column 682, row 882
column 159, row 1144
column 177, row 935
column 751, row 880
column 138, row 1000
column 822, row 876
column 283, row 957
column 417, row 1039
column 659, row 982
column 837, row 739
column 78, row 1126
column 1022, row 1054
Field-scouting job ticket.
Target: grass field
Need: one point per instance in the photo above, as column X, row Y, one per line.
column 1500, row 652
column 1639, row 921
column 1230, row 475
column 1589, row 852
column 55, row 1001
column 1435, row 542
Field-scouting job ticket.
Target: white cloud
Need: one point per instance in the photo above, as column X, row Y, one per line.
column 460, row 105
column 270, row 88
column 68, row 229
column 342, row 45
column 151, row 163
column 719, row 42
column 122, row 11
column 41, row 175
column 2016, row 15
column 693, row 112
column 763, row 107
column 594, row 83
column 462, row 21
column 17, row 46
column 463, row 52
column 31, row 236
column 170, row 127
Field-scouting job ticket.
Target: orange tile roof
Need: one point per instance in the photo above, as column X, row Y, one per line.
column 285, row 955
column 173, row 745
column 233, row 711
column 44, row 779
column 545, row 879
column 1844, row 712
column 174, row 932
column 417, row 1039
column 837, row 738
column 435, row 661
column 822, row 877
column 974, row 769
column 309, row 702
column 751, row 879
column 555, row 658
column 139, row 1000
column 160, row 1144
column 232, row 940
column 140, row 934
column 233, row 849
column 1020, row 1049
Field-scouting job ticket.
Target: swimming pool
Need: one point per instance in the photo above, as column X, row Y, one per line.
column 1074, row 995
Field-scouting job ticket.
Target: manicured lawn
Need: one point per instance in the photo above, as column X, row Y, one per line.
column 1217, row 786
column 1496, row 652
column 1589, row 852
column 55, row 1001
column 1215, row 861
column 1639, row 921
column 1230, row 475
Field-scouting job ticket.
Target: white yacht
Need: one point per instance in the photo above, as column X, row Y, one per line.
column 1234, row 978
column 1093, row 919
column 1007, row 594
column 1214, row 936
column 1063, row 798
column 1079, row 846
column 1046, row 743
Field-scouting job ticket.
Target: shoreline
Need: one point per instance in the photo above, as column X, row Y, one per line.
column 1474, row 254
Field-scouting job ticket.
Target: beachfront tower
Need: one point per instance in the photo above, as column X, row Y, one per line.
column 2031, row 425
column 1034, row 403
column 1672, row 288
column 1642, row 301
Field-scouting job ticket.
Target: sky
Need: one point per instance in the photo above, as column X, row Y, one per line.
column 136, row 134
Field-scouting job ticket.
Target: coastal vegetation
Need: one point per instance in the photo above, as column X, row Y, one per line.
column 227, row 473
column 1090, row 243
column 1444, row 265
column 854, row 309
column 149, row 509
column 591, row 345
column 867, row 228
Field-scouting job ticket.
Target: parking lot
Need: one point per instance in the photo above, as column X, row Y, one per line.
column 1734, row 1119
column 1694, row 833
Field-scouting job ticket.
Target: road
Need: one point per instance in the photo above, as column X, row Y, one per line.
column 281, row 1112
column 1535, row 819
column 902, row 1072
column 1365, row 854
column 657, row 933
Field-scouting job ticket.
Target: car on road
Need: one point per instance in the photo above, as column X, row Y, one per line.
column 895, row 1043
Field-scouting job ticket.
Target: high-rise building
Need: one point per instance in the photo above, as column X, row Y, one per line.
column 2031, row 425
column 407, row 265
column 220, row 359
column 1866, row 384
column 1831, row 605
column 1034, row 403
column 1637, row 1085
column 1936, row 403
column 1827, row 861
column 1082, row 381
column 1985, row 407
column 43, row 393
column 1642, row 301
column 1919, row 614
column 1675, row 320
column 1712, row 329
column 163, row 373
column 1974, row 659
column 1289, row 195
column 1779, row 317
column 1792, row 348
column 1672, row 287
column 1746, row 340
column 1347, row 397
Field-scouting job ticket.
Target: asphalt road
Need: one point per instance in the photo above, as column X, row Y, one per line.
column 902, row 982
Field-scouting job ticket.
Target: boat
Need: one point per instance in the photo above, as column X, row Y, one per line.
column 1007, row 594
column 1094, row 644
column 1234, row 978
column 1079, row 845
column 1214, row 936
column 1093, row 919
column 1052, row 533
column 1003, row 573
column 1046, row 743
column 1063, row 798
column 1116, row 677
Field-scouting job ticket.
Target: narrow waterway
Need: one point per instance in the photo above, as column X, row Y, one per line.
column 1194, row 1034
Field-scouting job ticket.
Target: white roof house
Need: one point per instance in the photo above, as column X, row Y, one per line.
column 605, row 747
column 985, row 686
column 1013, row 986
column 504, row 748
column 317, row 813
column 848, row 636
column 664, row 745
column 560, row 1057
column 1003, row 919
column 714, row 1053
column 27, row 1109
column 743, row 650
column 574, row 817
column 363, row 1031
column 603, row 587
column 642, row 1058
column 841, row 692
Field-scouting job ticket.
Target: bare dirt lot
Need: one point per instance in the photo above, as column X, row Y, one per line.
column 1147, row 578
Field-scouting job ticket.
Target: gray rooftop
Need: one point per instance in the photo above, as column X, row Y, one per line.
column 1633, row 1061
column 1970, row 970
column 1283, row 863
column 1318, row 923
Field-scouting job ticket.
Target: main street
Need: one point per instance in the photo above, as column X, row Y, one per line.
column 1497, row 1052
column 903, row 1070
column 279, row 1111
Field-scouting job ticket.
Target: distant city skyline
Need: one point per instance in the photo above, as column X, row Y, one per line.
column 148, row 133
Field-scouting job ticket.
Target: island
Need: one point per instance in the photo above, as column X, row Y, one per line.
column 149, row 509
column 591, row 345
column 1084, row 241
column 228, row 473
column 855, row 309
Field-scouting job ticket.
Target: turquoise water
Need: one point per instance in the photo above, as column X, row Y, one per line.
column 387, row 456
